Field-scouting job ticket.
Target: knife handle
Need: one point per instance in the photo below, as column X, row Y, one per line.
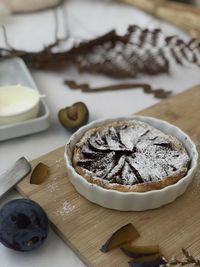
column 13, row 175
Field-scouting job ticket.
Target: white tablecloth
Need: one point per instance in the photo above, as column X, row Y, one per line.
column 83, row 19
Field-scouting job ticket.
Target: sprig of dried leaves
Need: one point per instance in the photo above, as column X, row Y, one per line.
column 188, row 260
column 138, row 51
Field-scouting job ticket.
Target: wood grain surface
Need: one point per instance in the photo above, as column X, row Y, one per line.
column 85, row 226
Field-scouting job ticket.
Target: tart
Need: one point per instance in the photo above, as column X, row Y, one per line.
column 130, row 156
column 101, row 162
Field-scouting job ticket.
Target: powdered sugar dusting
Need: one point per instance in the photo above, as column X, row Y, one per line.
column 52, row 187
column 65, row 208
column 132, row 152
column 59, row 162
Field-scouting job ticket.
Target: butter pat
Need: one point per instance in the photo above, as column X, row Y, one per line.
column 18, row 103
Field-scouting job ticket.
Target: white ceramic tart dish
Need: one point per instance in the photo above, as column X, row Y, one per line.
column 111, row 194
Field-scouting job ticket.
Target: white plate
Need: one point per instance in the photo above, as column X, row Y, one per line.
column 12, row 72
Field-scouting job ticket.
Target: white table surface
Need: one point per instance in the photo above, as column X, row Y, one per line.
column 85, row 19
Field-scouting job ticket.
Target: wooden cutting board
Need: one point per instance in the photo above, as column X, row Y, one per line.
column 85, row 226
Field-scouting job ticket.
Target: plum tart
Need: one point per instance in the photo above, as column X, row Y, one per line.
column 130, row 156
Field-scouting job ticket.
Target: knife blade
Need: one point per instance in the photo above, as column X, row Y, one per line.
column 13, row 175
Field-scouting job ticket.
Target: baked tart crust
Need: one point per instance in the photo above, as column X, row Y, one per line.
column 130, row 156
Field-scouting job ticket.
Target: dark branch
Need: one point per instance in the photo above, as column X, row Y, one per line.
column 158, row 93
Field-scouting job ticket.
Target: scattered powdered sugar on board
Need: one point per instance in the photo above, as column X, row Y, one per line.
column 59, row 162
column 65, row 208
column 52, row 187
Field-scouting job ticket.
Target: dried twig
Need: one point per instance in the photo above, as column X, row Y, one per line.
column 158, row 93
column 188, row 260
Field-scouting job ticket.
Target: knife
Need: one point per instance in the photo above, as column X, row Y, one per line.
column 13, row 175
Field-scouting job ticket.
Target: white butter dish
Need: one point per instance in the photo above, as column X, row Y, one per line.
column 131, row 201
column 33, row 119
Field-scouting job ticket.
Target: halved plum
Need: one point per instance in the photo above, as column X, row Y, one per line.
column 74, row 116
